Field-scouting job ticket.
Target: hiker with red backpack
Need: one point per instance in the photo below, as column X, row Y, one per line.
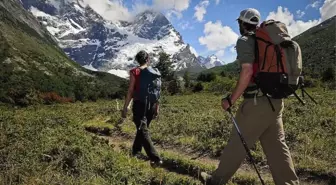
column 271, row 68
column 144, row 89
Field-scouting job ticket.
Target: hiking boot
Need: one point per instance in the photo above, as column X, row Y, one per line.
column 156, row 163
column 206, row 178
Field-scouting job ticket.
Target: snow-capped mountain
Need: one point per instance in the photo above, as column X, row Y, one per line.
column 210, row 62
column 97, row 43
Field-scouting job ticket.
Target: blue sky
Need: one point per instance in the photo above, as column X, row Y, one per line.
column 210, row 26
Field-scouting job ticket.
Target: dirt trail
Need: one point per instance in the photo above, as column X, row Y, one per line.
column 121, row 142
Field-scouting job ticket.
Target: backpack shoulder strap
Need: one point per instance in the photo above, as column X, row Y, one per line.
column 261, row 34
column 135, row 71
column 256, row 48
column 153, row 71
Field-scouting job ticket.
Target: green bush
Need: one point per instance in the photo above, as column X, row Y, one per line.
column 165, row 66
column 311, row 82
column 186, row 78
column 329, row 74
column 207, row 77
column 223, row 74
column 198, row 87
column 174, row 87
column 221, row 85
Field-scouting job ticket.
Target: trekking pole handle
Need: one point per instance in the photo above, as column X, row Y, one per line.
column 228, row 98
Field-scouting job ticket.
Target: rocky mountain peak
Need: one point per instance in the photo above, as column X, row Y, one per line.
column 97, row 43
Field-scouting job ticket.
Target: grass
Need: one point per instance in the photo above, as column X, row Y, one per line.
column 182, row 164
column 197, row 122
column 48, row 144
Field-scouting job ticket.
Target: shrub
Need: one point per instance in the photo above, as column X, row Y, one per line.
column 20, row 96
column 198, row 87
column 208, row 77
column 329, row 75
column 221, row 85
column 165, row 66
column 223, row 74
column 311, row 82
column 53, row 97
column 174, row 87
column 186, row 78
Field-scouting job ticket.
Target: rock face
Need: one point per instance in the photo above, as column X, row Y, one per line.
column 96, row 43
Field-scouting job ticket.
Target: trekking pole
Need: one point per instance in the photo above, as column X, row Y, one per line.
column 243, row 141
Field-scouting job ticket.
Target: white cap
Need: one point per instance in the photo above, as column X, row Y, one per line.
column 250, row 15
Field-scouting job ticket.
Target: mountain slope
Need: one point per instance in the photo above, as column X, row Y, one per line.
column 227, row 69
column 32, row 64
column 318, row 47
column 97, row 43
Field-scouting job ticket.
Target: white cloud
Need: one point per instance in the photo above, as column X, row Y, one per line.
column 217, row 2
column 172, row 8
column 112, row 10
column 233, row 49
column 229, row 57
column 115, row 10
column 178, row 5
column 139, row 7
column 185, row 25
column 314, row 4
column 328, row 9
column 294, row 27
column 171, row 13
column 220, row 54
column 200, row 10
column 300, row 13
column 217, row 37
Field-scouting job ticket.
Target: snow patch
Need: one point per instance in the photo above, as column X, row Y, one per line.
column 80, row 9
column 193, row 51
column 78, row 26
column 119, row 72
column 211, row 61
column 78, row 43
column 55, row 3
column 130, row 47
column 101, row 55
column 38, row 13
column 57, row 26
column 90, row 67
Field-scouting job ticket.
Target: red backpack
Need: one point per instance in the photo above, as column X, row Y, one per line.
column 278, row 64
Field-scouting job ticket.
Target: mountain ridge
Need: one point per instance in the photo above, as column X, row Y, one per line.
column 94, row 42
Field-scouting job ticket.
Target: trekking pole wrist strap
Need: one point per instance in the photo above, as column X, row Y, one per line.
column 228, row 98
